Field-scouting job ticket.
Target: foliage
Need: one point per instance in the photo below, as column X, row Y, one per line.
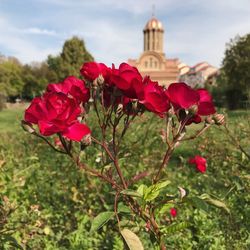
column 11, row 82
column 56, row 203
column 235, row 75
column 73, row 55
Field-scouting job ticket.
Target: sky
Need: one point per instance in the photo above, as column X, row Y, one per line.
column 195, row 30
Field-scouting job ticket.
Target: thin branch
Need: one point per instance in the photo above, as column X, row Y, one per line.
column 50, row 144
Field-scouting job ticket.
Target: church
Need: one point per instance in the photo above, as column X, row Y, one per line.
column 153, row 61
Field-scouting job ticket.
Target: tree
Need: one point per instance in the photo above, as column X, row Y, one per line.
column 73, row 55
column 35, row 77
column 11, row 82
column 235, row 73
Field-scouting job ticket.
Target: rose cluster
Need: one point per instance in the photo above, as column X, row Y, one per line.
column 60, row 108
column 127, row 85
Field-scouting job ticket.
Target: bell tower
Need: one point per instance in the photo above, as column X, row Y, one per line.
column 153, row 36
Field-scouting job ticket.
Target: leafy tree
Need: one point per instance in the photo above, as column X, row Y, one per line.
column 235, row 74
column 11, row 82
column 73, row 55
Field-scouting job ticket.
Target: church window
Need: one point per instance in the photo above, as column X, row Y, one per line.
column 146, row 64
column 151, row 62
column 155, row 64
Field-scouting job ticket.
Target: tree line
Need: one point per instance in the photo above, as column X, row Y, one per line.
column 29, row 80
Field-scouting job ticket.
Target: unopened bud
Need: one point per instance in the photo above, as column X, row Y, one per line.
column 193, row 110
column 219, row 119
column 147, row 226
column 209, row 120
column 86, row 140
column 100, row 80
column 27, row 127
column 171, row 112
column 119, row 110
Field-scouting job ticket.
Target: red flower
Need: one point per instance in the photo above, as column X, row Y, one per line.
column 56, row 113
column 199, row 162
column 182, row 96
column 205, row 106
column 73, row 86
column 91, row 70
column 154, row 97
column 128, row 80
column 173, row 212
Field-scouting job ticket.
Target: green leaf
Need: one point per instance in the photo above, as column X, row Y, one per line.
column 132, row 240
column 100, row 220
column 11, row 240
column 175, row 227
column 123, row 209
column 141, row 189
column 215, row 202
column 198, row 203
column 130, row 192
column 153, row 191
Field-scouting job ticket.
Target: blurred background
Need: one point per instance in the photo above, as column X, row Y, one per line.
column 45, row 202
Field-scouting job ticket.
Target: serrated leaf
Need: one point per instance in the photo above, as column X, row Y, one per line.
column 130, row 192
column 132, row 240
column 100, row 220
column 175, row 227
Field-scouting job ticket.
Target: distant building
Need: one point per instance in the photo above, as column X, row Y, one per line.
column 199, row 74
column 153, row 61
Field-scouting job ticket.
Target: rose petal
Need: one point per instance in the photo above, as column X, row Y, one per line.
column 76, row 131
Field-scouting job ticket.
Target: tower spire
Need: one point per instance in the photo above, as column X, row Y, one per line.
column 153, row 10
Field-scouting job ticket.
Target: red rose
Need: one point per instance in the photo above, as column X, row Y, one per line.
column 199, row 162
column 173, row 212
column 73, row 86
column 154, row 97
column 91, row 70
column 182, row 96
column 56, row 113
column 128, row 80
column 205, row 106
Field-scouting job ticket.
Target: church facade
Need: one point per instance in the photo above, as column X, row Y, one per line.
column 153, row 61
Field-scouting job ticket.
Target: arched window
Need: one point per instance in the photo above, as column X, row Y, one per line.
column 151, row 62
column 146, row 64
column 156, row 65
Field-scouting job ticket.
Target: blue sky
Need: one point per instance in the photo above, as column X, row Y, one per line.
column 195, row 30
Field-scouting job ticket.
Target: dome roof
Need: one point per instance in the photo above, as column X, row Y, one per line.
column 154, row 24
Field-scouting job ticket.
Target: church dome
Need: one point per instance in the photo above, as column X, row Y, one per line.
column 153, row 24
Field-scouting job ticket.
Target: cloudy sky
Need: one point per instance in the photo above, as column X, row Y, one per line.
column 195, row 30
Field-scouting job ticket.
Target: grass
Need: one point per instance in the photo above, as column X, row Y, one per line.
column 10, row 119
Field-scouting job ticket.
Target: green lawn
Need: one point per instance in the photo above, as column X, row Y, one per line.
column 10, row 119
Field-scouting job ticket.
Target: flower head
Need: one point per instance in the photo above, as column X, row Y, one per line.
column 199, row 162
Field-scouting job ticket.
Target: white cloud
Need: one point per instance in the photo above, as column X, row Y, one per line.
column 38, row 31
column 21, row 46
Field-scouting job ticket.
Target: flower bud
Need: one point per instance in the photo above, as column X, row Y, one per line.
column 219, row 119
column 173, row 212
column 86, row 140
column 100, row 80
column 209, row 120
column 193, row 110
column 27, row 127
